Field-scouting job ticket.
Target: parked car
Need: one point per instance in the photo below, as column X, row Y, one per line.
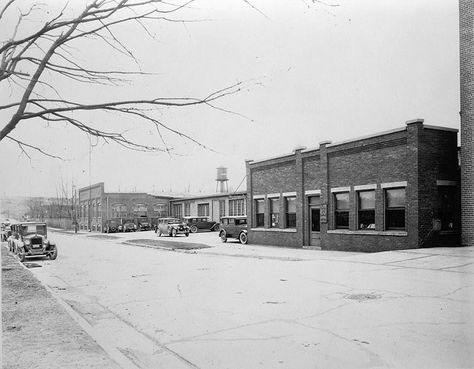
column 111, row 226
column 197, row 223
column 234, row 227
column 129, row 227
column 31, row 239
column 5, row 231
column 172, row 227
column 143, row 224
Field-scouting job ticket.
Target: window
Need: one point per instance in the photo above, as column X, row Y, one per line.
column 161, row 210
column 240, row 221
column 366, row 207
column 341, row 213
column 99, row 210
column 119, row 211
column 275, row 212
column 290, row 205
column 178, row 210
column 395, row 200
column 187, row 209
column 221, row 208
column 236, row 207
column 259, row 213
column 203, row 210
column 140, row 210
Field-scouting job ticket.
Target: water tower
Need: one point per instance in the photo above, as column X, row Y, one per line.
column 221, row 181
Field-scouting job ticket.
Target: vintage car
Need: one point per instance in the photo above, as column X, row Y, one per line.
column 234, row 227
column 31, row 239
column 197, row 223
column 112, row 226
column 143, row 224
column 172, row 227
column 129, row 227
column 5, row 231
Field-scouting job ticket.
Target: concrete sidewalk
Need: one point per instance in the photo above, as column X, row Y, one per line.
column 37, row 331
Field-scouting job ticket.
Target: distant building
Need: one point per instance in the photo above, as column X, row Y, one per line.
column 394, row 190
column 213, row 206
column 96, row 206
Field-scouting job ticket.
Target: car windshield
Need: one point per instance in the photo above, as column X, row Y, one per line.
column 34, row 229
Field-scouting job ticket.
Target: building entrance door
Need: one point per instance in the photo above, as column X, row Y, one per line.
column 314, row 221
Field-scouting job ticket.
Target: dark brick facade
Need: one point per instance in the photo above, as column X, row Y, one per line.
column 97, row 206
column 420, row 158
column 466, row 28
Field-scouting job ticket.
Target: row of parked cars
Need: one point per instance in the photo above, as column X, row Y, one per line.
column 29, row 239
column 234, row 227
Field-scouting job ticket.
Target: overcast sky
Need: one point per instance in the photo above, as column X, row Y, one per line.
column 310, row 72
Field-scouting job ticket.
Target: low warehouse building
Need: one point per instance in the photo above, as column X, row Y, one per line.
column 394, row 190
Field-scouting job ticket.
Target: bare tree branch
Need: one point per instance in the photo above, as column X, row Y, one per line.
column 49, row 51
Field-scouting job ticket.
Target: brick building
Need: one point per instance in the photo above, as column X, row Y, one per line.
column 212, row 206
column 96, row 206
column 466, row 29
column 394, row 190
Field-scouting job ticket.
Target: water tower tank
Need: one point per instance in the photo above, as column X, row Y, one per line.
column 221, row 180
column 221, row 174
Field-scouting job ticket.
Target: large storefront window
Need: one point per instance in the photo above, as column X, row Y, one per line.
column 221, row 208
column 178, row 210
column 275, row 212
column 203, row 210
column 395, row 201
column 140, row 210
column 259, row 213
column 366, row 206
column 161, row 210
column 236, row 207
column 290, row 212
column 119, row 211
column 341, row 212
column 187, row 209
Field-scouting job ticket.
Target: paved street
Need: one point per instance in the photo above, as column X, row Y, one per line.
column 234, row 306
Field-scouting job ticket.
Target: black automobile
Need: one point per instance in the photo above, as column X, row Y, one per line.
column 31, row 239
column 129, row 227
column 144, row 226
column 201, row 223
column 234, row 227
column 111, row 226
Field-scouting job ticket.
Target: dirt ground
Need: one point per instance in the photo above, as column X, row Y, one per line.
column 36, row 331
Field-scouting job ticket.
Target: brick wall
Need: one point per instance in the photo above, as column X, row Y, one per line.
column 417, row 155
column 466, row 13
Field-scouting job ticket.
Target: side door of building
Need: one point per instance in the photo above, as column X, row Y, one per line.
column 314, row 203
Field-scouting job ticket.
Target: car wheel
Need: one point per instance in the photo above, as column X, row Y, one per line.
column 21, row 254
column 194, row 229
column 54, row 254
column 223, row 236
column 243, row 238
column 173, row 232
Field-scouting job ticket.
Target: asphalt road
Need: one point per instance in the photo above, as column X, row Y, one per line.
column 231, row 306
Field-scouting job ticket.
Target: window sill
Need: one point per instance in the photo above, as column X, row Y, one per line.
column 369, row 233
column 285, row 230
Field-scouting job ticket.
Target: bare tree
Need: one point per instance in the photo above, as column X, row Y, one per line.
column 28, row 58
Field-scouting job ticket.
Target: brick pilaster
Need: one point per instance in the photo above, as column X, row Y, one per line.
column 466, row 28
column 325, row 195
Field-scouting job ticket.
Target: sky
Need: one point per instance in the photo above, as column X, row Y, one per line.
column 309, row 72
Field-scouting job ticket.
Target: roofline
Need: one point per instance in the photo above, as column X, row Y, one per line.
column 209, row 196
column 440, row 128
column 272, row 158
column 383, row 133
